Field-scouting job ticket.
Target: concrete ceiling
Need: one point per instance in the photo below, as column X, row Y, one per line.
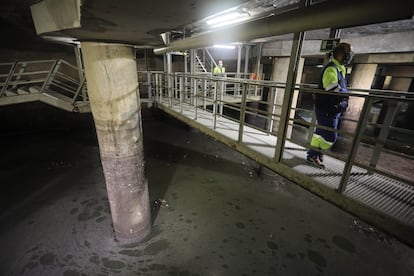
column 136, row 22
column 140, row 23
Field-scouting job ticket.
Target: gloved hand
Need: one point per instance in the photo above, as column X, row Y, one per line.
column 343, row 105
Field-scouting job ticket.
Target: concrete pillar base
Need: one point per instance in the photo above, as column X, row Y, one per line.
column 126, row 199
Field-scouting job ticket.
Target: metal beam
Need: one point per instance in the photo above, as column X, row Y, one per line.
column 288, row 96
column 327, row 14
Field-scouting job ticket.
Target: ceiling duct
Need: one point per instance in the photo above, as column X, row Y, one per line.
column 328, row 14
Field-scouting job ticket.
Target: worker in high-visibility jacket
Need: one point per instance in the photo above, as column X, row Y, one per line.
column 328, row 108
column 219, row 69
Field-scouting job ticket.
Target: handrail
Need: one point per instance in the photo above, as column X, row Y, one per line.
column 6, row 83
column 358, row 92
column 69, row 64
column 211, row 57
column 269, row 113
column 200, row 63
column 81, row 86
column 54, row 78
column 353, row 92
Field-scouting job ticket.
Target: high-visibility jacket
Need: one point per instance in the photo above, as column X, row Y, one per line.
column 219, row 70
column 333, row 79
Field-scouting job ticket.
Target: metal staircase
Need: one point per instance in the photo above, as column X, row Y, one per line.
column 205, row 62
column 54, row 82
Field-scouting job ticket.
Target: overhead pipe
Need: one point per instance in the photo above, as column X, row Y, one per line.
column 328, row 14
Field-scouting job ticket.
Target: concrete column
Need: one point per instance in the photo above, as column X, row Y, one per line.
column 259, row 57
column 362, row 77
column 246, row 61
column 399, row 84
column 279, row 74
column 112, row 83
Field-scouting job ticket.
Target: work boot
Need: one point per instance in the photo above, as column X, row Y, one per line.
column 321, row 157
column 315, row 161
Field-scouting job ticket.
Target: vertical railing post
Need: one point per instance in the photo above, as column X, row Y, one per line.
column 175, row 86
column 195, row 98
column 80, row 88
column 242, row 112
column 170, row 88
column 382, row 137
column 161, row 86
column 181, row 93
column 157, row 96
column 273, row 100
column 193, row 81
column 79, row 64
column 359, row 132
column 237, row 87
column 204, row 94
column 289, row 93
column 187, row 87
column 149, row 88
column 169, row 75
column 9, row 77
column 51, row 75
column 215, row 105
column 19, row 74
column 222, row 91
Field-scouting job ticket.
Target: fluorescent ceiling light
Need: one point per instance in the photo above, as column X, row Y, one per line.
column 224, row 17
column 224, row 46
column 227, row 19
column 61, row 39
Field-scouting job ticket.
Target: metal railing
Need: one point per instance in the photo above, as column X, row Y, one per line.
column 369, row 175
column 205, row 60
column 368, row 135
column 262, row 111
column 21, row 75
column 52, row 81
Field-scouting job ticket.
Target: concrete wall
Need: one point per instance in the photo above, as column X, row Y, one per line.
column 380, row 43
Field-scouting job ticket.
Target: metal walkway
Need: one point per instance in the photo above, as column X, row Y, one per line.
column 54, row 82
column 392, row 197
column 381, row 199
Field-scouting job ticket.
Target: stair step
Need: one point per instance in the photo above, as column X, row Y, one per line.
column 22, row 92
column 34, row 89
column 10, row 93
column 59, row 96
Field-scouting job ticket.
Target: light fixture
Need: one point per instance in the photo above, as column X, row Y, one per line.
column 61, row 39
column 224, row 46
column 227, row 19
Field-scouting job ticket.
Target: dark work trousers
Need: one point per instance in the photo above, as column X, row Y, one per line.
column 322, row 138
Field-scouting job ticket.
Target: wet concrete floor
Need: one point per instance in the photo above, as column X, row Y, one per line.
column 219, row 217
